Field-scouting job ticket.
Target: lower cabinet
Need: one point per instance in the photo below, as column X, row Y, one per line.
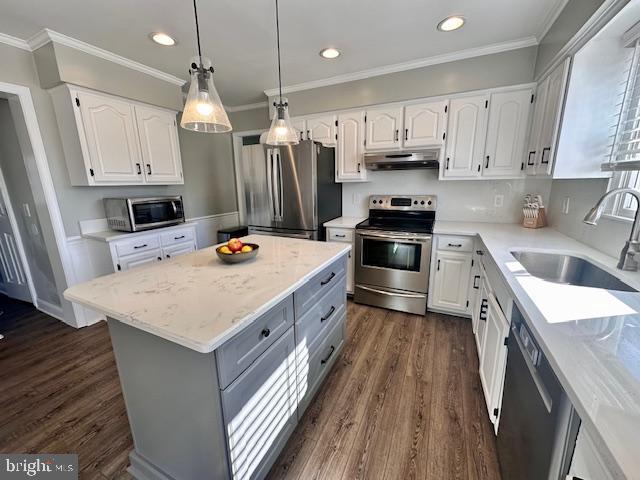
column 587, row 463
column 450, row 272
column 345, row 235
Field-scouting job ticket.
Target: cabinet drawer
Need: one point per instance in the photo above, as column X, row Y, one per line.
column 259, row 410
column 340, row 235
column 458, row 244
column 496, row 285
column 238, row 353
column 321, row 316
column 177, row 236
column 318, row 286
column 137, row 245
column 314, row 364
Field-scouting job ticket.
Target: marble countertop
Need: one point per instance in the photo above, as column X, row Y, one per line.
column 113, row 235
column 590, row 336
column 344, row 222
column 199, row 302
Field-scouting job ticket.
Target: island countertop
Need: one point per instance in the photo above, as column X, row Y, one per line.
column 199, row 302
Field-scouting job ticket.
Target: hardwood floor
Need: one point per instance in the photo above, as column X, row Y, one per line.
column 402, row 401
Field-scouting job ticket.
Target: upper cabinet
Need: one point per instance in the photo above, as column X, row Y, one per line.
column 112, row 141
column 350, row 148
column 322, row 129
column 300, row 124
column 383, row 127
column 425, row 124
column 466, row 137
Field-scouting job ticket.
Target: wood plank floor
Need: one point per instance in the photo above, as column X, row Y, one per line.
column 402, row 401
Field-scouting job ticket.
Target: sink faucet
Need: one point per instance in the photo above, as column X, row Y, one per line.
column 631, row 248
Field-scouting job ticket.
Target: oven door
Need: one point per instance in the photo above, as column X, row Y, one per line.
column 155, row 212
column 393, row 260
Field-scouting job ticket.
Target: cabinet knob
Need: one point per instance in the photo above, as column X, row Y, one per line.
column 266, row 332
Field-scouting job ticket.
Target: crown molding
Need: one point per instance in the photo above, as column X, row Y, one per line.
column 14, row 42
column 248, row 106
column 411, row 65
column 551, row 18
column 45, row 36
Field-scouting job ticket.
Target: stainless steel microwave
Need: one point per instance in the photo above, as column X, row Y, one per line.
column 134, row 214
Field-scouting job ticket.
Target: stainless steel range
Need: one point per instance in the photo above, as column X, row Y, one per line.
column 393, row 252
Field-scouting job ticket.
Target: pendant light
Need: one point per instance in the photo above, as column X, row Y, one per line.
column 281, row 131
column 203, row 110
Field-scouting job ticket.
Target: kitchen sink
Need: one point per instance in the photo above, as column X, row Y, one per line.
column 568, row 270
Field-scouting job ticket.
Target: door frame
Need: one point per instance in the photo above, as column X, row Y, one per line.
column 16, row 233
column 237, row 149
column 64, row 274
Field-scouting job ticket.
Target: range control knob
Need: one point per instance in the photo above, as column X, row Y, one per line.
column 429, row 202
column 415, row 202
column 375, row 201
column 422, row 202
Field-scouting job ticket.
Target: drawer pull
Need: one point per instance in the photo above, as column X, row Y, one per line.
column 140, row 246
column 265, row 333
column 340, row 236
column 483, row 310
column 324, row 282
column 326, row 317
column 325, row 360
column 179, row 237
column 475, row 280
column 457, row 245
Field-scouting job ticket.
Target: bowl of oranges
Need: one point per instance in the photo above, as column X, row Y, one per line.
column 234, row 251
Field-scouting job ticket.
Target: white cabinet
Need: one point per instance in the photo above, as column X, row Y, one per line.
column 322, row 129
column 179, row 249
column 466, row 137
column 345, row 235
column 451, row 281
column 425, row 124
column 506, row 133
column 159, row 145
column 493, row 357
column 545, row 130
column 300, row 124
column 109, row 140
column 350, row 147
column 383, row 127
column 138, row 259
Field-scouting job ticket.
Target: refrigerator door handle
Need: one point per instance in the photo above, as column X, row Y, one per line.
column 280, row 188
column 276, row 185
column 270, row 183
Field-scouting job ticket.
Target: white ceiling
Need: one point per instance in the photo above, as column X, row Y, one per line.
column 239, row 35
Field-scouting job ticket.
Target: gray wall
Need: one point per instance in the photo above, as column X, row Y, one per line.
column 500, row 69
column 255, row 119
column 19, row 190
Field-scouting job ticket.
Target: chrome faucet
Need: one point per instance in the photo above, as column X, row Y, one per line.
column 631, row 250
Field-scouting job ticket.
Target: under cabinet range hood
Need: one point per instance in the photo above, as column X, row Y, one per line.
column 403, row 159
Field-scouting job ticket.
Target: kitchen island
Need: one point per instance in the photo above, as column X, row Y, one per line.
column 218, row 361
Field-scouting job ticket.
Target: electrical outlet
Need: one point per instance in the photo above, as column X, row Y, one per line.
column 498, row 201
column 565, row 205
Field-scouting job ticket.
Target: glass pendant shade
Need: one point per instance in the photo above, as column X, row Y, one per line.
column 203, row 109
column 282, row 131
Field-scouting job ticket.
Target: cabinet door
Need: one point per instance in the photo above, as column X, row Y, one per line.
column 259, row 409
column 322, row 129
column 506, row 133
column 383, row 128
column 139, row 259
column 475, row 283
column 493, row 358
column 425, row 123
column 452, row 281
column 111, row 138
column 482, row 308
column 300, row 124
column 159, row 145
column 179, row 249
column 533, row 152
column 350, row 147
column 466, row 137
column 550, row 127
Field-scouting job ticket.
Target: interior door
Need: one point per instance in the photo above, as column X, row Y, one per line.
column 383, row 127
column 159, row 145
column 111, row 139
column 466, row 136
column 322, row 129
column 13, row 280
column 295, row 186
column 350, row 147
column 506, row 133
column 425, row 123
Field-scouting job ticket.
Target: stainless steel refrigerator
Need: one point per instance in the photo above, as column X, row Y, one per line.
column 291, row 190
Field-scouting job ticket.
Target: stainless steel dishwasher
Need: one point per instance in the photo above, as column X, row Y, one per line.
column 538, row 425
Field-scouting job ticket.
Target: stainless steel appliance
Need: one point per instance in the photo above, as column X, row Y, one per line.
column 403, row 160
column 393, row 252
column 290, row 191
column 134, row 214
column 538, row 425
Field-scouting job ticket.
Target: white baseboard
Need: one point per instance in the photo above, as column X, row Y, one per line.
column 50, row 309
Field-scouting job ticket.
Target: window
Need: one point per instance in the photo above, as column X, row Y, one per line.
column 624, row 207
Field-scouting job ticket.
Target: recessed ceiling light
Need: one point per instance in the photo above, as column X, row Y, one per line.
column 330, row 53
column 451, row 23
column 162, row 39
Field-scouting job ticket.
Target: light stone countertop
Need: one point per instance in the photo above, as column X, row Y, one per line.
column 590, row 336
column 344, row 222
column 113, row 235
column 198, row 301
